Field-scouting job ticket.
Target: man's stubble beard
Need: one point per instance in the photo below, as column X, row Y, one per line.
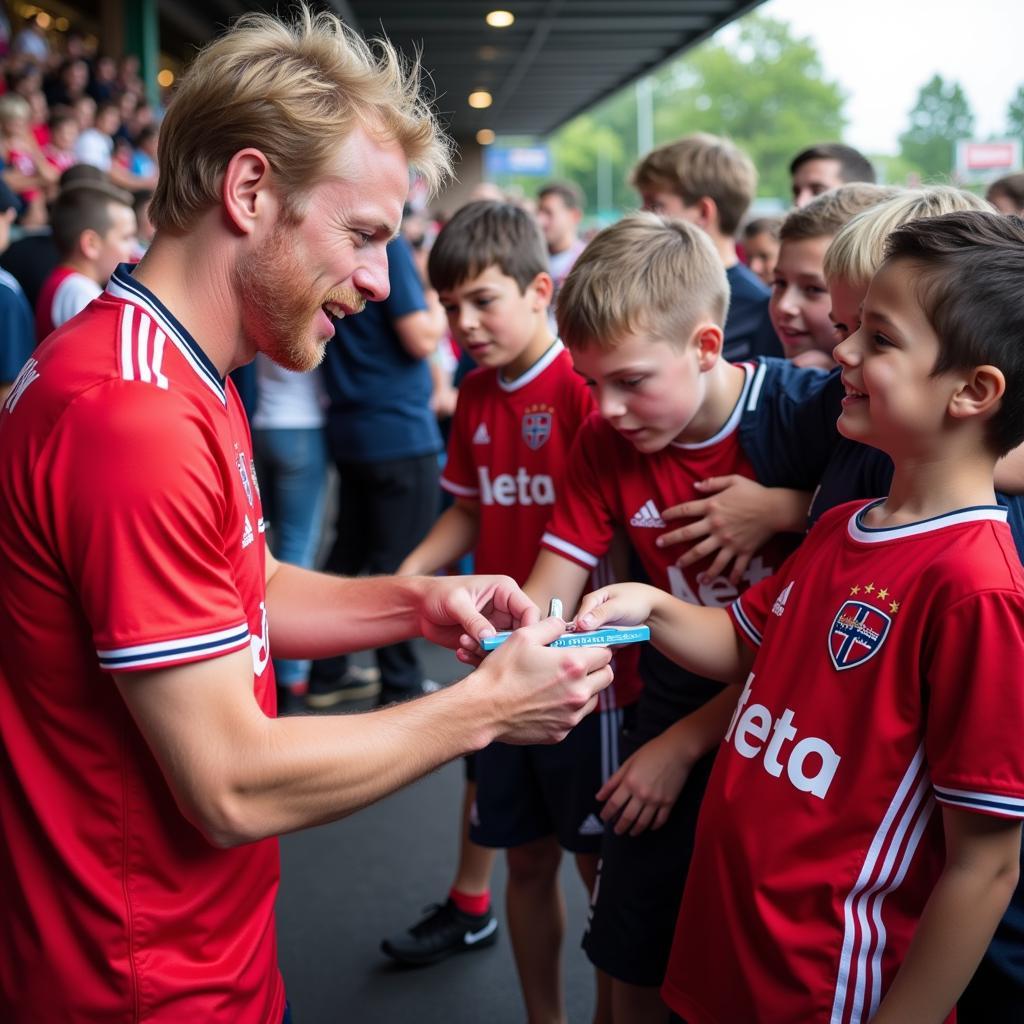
column 278, row 307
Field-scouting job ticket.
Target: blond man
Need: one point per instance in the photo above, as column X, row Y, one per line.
column 145, row 774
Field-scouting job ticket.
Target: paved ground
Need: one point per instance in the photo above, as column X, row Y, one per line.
column 344, row 886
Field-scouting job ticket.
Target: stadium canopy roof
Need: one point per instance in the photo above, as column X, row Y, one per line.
column 557, row 59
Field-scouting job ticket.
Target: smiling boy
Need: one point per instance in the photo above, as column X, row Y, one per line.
column 871, row 784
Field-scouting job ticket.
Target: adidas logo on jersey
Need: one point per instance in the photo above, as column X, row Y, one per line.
column 592, row 826
column 248, row 536
column 780, row 602
column 648, row 515
column 481, row 436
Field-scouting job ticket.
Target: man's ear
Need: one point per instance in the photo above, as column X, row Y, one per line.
column 543, row 288
column 980, row 393
column 246, row 191
column 709, row 340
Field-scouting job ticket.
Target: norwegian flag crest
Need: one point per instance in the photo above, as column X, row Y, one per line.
column 536, row 428
column 858, row 632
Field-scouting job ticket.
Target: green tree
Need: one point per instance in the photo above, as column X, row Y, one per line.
column 1015, row 115
column 767, row 91
column 763, row 87
column 940, row 117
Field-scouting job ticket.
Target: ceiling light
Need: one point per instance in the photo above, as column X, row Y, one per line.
column 480, row 100
column 485, row 136
column 500, row 19
column 166, row 78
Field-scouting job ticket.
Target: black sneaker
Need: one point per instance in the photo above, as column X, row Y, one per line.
column 358, row 683
column 400, row 694
column 444, row 931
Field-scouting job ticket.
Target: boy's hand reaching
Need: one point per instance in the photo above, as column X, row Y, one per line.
column 737, row 517
column 624, row 604
column 642, row 793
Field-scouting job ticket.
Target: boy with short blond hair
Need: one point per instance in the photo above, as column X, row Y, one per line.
column 799, row 304
column 710, row 182
column 516, row 417
column 838, row 889
column 641, row 312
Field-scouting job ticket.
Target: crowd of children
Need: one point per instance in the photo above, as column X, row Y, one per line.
column 801, row 800
column 853, row 857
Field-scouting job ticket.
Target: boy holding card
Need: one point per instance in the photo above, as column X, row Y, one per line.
column 642, row 314
column 870, row 787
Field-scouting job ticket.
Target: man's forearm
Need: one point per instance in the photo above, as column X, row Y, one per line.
column 315, row 615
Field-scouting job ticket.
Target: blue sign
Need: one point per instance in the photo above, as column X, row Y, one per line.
column 534, row 160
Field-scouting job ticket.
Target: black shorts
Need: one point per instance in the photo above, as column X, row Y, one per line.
column 526, row 793
column 640, row 878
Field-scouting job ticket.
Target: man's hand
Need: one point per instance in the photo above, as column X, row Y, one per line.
column 475, row 606
column 538, row 692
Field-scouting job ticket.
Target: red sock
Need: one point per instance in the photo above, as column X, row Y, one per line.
column 471, row 903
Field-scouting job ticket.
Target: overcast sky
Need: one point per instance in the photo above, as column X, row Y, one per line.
column 882, row 51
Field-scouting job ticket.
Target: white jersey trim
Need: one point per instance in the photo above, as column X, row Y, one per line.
column 459, row 490
column 986, row 803
column 203, row 645
column 885, row 867
column 575, row 553
column 880, row 534
column 744, row 622
column 122, row 286
column 733, row 422
column 755, row 388
column 534, row 371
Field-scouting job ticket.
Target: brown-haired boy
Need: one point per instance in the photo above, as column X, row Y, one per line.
column 710, row 182
column 93, row 230
column 800, row 302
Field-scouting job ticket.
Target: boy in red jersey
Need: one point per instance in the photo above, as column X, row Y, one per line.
column 642, row 312
column 515, row 420
column 882, row 681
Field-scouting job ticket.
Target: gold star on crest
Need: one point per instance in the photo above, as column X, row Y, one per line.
column 894, row 606
column 854, row 589
column 869, row 588
column 883, row 594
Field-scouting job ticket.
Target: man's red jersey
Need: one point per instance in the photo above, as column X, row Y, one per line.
column 886, row 685
column 507, row 450
column 610, row 484
column 130, row 540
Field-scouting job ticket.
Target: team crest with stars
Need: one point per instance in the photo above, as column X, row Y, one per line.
column 860, row 628
column 537, row 421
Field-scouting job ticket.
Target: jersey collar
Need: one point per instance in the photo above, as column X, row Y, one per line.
column 879, row 534
column 534, row 371
column 122, row 285
column 734, row 417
